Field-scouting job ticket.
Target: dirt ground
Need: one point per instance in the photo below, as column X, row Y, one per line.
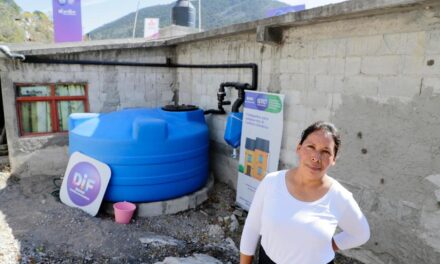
column 36, row 228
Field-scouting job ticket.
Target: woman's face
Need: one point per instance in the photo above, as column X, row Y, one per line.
column 317, row 153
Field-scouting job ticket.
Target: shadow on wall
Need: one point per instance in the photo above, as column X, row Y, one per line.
column 388, row 149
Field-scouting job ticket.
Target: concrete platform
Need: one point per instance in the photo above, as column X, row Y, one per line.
column 172, row 206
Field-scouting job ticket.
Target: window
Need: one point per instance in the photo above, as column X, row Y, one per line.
column 259, row 171
column 45, row 108
column 249, row 158
column 260, row 158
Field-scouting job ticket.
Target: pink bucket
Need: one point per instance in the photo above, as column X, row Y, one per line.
column 123, row 212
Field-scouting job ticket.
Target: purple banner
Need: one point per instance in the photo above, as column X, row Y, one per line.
column 67, row 20
column 284, row 10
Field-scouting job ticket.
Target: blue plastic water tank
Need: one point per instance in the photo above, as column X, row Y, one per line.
column 153, row 154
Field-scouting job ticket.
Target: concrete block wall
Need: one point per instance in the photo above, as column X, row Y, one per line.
column 376, row 75
column 200, row 86
column 110, row 88
column 377, row 78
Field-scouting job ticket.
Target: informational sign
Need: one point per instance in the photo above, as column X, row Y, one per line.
column 151, row 28
column 260, row 142
column 84, row 183
column 67, row 20
column 284, row 10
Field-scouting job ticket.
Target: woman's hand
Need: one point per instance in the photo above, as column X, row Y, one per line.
column 245, row 259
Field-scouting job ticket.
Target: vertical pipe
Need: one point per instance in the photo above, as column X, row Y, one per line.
column 135, row 19
column 200, row 15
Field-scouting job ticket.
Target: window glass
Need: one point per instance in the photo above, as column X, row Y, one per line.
column 69, row 90
column 34, row 91
column 65, row 108
column 249, row 158
column 260, row 170
column 35, row 117
column 260, row 158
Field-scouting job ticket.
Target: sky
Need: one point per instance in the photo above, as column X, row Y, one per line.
column 96, row 13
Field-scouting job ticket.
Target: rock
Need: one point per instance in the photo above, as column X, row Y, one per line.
column 238, row 212
column 204, row 213
column 159, row 240
column 231, row 245
column 215, row 231
column 234, row 223
column 195, row 259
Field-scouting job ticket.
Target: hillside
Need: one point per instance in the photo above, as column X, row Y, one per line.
column 215, row 13
column 17, row 26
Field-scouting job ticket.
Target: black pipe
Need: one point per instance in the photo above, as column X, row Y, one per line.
column 239, row 101
column 168, row 64
column 241, row 87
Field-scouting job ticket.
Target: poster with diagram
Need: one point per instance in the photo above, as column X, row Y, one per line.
column 260, row 142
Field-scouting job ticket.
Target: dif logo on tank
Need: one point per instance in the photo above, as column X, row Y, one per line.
column 84, row 183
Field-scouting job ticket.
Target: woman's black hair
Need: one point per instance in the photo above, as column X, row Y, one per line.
column 325, row 126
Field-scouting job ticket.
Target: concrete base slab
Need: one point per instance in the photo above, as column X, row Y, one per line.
column 171, row 206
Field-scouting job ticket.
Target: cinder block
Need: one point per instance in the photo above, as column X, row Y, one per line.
column 415, row 44
column 336, row 65
column 336, row 102
column 431, row 65
column 318, row 66
column 284, row 80
column 324, row 83
column 431, row 84
column 413, row 65
column 330, row 48
column 320, row 114
column 393, row 44
column 364, row 46
column 264, row 52
column 433, row 42
column 316, row 99
column 295, row 113
column 381, row 65
column 352, row 66
column 298, row 82
column 297, row 66
column 361, row 85
column 292, row 97
column 399, row 86
column 284, row 66
column 266, row 66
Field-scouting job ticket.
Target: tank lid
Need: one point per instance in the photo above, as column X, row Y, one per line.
column 179, row 108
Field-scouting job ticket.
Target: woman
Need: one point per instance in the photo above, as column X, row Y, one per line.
column 296, row 211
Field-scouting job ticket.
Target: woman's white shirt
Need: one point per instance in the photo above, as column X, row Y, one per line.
column 293, row 231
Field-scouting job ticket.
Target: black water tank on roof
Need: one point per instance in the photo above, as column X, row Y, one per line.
column 183, row 14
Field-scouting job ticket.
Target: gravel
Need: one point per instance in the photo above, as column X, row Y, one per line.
column 35, row 227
